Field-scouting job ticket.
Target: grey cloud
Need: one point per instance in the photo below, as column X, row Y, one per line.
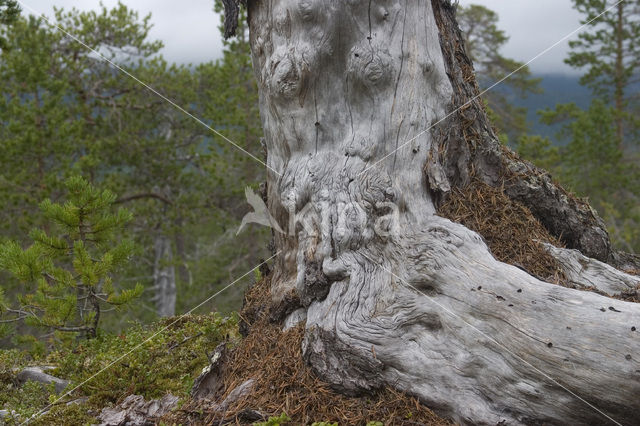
column 189, row 29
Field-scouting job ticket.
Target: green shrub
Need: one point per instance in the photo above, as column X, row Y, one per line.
column 168, row 362
column 274, row 421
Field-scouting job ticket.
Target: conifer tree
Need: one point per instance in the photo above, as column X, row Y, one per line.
column 596, row 159
column 608, row 50
column 67, row 272
column 9, row 12
column 483, row 41
column 593, row 165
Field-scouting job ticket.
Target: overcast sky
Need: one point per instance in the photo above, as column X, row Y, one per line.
column 189, row 28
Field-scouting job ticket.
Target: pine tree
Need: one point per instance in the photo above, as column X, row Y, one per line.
column 609, row 51
column 593, row 165
column 68, row 112
column 596, row 159
column 9, row 12
column 483, row 42
column 67, row 272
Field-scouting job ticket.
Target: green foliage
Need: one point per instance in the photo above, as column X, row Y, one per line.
column 26, row 400
column 540, row 151
column 168, row 356
column 167, row 362
column 66, row 274
column 23, row 400
column 324, row 424
column 608, row 39
column 374, row 423
column 68, row 113
column 483, row 41
column 596, row 158
column 74, row 414
column 61, row 104
column 228, row 96
column 10, row 361
column 274, row 421
column 591, row 159
column 608, row 51
column 592, row 164
column 9, row 13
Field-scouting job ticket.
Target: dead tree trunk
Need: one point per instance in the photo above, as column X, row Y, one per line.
column 164, row 276
column 370, row 120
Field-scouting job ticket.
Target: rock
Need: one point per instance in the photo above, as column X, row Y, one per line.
column 134, row 411
column 37, row 374
column 7, row 413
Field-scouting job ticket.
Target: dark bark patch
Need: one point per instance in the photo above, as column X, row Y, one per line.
column 466, row 147
column 209, row 382
column 629, row 296
column 316, row 283
column 231, row 12
column 280, row 310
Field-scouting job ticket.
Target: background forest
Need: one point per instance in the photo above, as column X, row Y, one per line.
column 116, row 207
column 67, row 112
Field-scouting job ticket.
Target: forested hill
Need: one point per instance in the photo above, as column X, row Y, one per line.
column 558, row 89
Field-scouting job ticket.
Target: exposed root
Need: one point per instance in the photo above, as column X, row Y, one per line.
column 508, row 227
column 284, row 384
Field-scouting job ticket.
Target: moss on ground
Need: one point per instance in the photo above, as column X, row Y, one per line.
column 168, row 362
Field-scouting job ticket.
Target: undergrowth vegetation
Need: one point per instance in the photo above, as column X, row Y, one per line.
column 151, row 361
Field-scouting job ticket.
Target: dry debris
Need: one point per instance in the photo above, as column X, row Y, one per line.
column 283, row 383
column 512, row 233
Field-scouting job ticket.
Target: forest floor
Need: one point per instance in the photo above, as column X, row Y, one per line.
column 152, row 361
column 285, row 391
column 285, row 388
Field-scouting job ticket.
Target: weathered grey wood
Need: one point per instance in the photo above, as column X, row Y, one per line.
column 294, row 318
column 135, row 411
column 164, row 276
column 209, row 382
column 477, row 339
column 424, row 306
column 583, row 271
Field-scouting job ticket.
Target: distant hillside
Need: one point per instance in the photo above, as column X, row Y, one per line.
column 558, row 88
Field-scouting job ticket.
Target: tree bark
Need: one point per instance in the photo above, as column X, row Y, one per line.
column 393, row 293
